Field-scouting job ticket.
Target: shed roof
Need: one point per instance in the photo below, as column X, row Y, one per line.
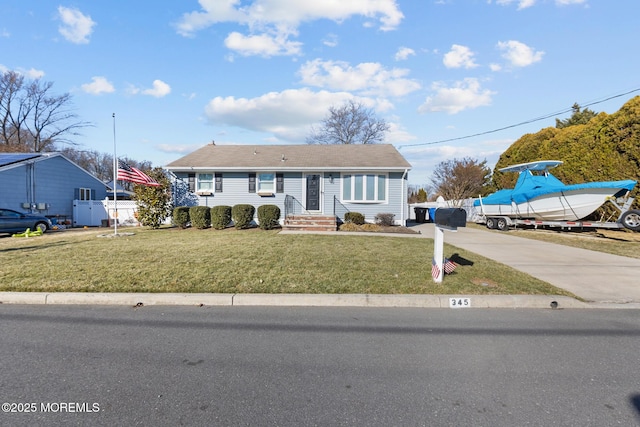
column 293, row 157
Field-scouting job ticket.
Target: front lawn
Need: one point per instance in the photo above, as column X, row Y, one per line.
column 245, row 261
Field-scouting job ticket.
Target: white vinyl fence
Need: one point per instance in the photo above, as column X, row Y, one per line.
column 102, row 213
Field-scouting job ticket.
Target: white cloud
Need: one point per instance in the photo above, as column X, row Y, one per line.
column 519, row 54
column 178, row 149
column 32, row 73
column 524, row 4
column 459, row 57
column 569, row 2
column 76, row 27
column 159, row 89
column 262, row 45
column 368, row 78
column 279, row 19
column 330, row 40
column 288, row 115
column 404, row 53
column 462, row 95
column 98, row 86
column 4, row 33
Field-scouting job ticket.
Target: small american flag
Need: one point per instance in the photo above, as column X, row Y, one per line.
column 435, row 271
column 449, row 266
column 129, row 173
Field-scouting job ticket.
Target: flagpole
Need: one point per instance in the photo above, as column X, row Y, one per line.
column 115, row 179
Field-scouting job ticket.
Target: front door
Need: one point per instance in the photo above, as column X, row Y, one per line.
column 313, row 192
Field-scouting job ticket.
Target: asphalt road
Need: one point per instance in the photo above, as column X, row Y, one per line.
column 279, row 366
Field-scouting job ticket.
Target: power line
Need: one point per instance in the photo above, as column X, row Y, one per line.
column 537, row 119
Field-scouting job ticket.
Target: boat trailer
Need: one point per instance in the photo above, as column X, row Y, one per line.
column 627, row 218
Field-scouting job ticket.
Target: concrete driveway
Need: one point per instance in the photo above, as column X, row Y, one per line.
column 593, row 276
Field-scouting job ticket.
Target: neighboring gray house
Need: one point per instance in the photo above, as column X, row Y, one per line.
column 45, row 183
column 309, row 180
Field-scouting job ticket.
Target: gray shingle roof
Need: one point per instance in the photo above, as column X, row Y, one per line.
column 293, row 157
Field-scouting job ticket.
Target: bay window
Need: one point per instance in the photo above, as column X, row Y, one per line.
column 364, row 188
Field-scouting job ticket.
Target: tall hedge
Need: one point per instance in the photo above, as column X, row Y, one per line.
column 220, row 217
column 200, row 217
column 242, row 215
column 181, row 216
column 268, row 216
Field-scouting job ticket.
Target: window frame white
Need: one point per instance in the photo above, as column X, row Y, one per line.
column 364, row 184
column 200, row 181
column 261, row 184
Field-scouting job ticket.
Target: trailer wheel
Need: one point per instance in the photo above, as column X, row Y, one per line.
column 491, row 223
column 631, row 220
column 502, row 224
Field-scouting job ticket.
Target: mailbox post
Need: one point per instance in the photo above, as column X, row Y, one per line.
column 445, row 219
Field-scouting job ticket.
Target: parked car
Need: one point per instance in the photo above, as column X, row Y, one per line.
column 16, row 222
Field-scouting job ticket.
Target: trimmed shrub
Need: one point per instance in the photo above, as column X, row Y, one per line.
column 354, row 217
column 220, row 217
column 385, row 219
column 200, row 217
column 181, row 216
column 242, row 215
column 268, row 216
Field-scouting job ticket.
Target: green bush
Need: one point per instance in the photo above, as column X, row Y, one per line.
column 220, row 217
column 385, row 219
column 268, row 216
column 242, row 215
column 354, row 217
column 181, row 216
column 200, row 217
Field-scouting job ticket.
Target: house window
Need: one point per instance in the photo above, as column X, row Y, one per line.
column 204, row 182
column 267, row 183
column 364, row 188
column 84, row 194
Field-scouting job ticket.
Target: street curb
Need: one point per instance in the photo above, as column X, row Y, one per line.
column 300, row 300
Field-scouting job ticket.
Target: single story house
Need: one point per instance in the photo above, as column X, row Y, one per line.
column 308, row 180
column 46, row 183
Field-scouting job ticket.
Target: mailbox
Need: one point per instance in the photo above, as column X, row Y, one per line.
column 451, row 217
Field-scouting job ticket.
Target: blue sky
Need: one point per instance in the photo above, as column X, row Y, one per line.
column 179, row 74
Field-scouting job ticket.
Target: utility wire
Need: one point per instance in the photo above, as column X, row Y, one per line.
column 537, row 119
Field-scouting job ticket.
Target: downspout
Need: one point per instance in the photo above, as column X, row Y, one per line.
column 404, row 197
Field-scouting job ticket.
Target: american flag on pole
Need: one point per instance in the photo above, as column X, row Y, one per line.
column 448, row 267
column 129, row 173
column 435, row 271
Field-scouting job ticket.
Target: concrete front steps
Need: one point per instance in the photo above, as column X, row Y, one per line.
column 311, row 223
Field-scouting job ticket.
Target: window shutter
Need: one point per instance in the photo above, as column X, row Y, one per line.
column 92, row 194
column 192, row 182
column 279, row 183
column 252, row 183
column 218, row 183
column 76, row 194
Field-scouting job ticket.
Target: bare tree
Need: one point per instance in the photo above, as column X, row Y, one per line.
column 456, row 180
column 352, row 123
column 31, row 118
column 11, row 115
